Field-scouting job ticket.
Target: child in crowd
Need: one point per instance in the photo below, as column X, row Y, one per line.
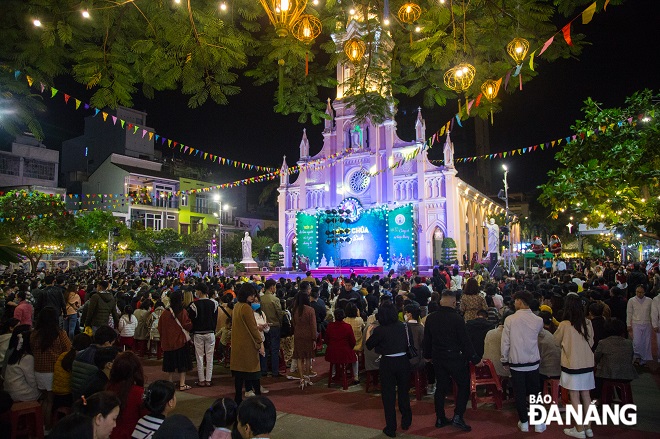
column 159, row 399
column 219, row 419
column 127, row 325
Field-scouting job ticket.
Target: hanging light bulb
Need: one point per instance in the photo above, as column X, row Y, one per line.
column 37, row 22
column 517, row 49
column 386, row 22
column 306, row 28
column 223, row 6
column 490, row 88
column 409, row 13
column 283, row 13
column 85, row 13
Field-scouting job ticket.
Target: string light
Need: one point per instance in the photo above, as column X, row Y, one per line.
column 418, row 29
column 85, row 13
column 223, row 6
column 37, row 22
column 386, row 22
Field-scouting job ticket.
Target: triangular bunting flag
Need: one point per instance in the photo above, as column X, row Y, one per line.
column 588, row 13
column 506, row 79
column 135, row 128
column 122, row 122
column 78, row 103
column 151, row 135
column 96, row 111
column 566, row 30
column 144, row 133
column 458, row 120
column 29, row 80
column 531, row 61
column 66, row 98
column 547, row 44
column 114, row 120
column 105, row 116
column 53, row 92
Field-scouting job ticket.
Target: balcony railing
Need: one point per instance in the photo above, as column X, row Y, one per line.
column 204, row 210
column 172, row 203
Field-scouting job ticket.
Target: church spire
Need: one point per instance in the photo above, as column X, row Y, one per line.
column 304, row 145
column 448, row 151
column 284, row 173
column 330, row 122
column 420, row 127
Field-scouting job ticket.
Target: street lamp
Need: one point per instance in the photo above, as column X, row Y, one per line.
column 218, row 214
column 507, row 216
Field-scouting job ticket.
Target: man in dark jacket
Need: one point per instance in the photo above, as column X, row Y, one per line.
column 52, row 295
column 204, row 315
column 477, row 330
column 447, row 345
column 83, row 366
column 100, row 307
column 349, row 295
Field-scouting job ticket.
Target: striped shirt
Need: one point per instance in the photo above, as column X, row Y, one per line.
column 147, row 426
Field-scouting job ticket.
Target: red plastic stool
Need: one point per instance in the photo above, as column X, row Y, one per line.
column 419, row 382
column 485, row 377
column 342, row 370
column 551, row 387
column 26, row 419
column 371, row 379
column 623, row 389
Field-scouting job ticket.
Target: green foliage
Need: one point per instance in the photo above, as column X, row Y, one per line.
column 275, row 258
column 9, row 252
column 131, row 47
column 611, row 173
column 156, row 244
column 92, row 229
column 36, row 222
column 232, row 248
column 271, row 232
column 449, row 252
column 261, row 247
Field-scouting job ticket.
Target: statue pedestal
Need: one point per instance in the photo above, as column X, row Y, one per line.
column 250, row 265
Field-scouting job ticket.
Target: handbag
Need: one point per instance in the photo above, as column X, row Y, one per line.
column 186, row 333
column 411, row 352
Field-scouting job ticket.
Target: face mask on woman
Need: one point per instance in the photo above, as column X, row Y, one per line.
column 255, row 306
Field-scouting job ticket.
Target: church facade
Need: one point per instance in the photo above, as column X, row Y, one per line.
column 352, row 172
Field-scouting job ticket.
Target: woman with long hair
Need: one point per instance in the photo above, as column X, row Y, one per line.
column 390, row 341
column 471, row 300
column 20, row 382
column 246, row 344
column 219, row 420
column 575, row 336
column 159, row 400
column 173, row 325
column 73, row 302
column 103, row 409
column 304, row 337
column 127, row 382
column 47, row 341
column 62, row 396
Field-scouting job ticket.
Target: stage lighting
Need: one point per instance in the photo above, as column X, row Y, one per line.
column 341, row 220
column 328, row 212
column 327, row 232
column 348, row 240
column 334, row 211
column 340, row 211
column 328, row 241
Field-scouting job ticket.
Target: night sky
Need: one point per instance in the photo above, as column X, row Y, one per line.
column 619, row 62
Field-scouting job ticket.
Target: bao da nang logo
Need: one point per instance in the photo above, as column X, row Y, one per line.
column 543, row 410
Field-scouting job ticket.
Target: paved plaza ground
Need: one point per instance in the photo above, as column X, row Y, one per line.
column 322, row 412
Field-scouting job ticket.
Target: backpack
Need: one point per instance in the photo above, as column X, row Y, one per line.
column 153, row 324
column 285, row 327
column 142, row 330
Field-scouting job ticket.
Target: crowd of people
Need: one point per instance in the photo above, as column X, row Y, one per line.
column 75, row 341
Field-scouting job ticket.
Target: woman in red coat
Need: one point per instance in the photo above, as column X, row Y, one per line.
column 340, row 340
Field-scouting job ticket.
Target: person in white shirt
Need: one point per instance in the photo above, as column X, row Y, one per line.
column 638, row 319
column 655, row 319
column 520, row 353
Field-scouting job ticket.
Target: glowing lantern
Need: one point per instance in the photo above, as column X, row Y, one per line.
column 460, row 78
column 517, row 49
column 306, row 28
column 409, row 13
column 283, row 13
column 490, row 88
column 354, row 49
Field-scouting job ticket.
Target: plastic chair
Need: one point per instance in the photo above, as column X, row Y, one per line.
column 371, row 379
column 419, row 382
column 551, row 387
column 342, row 371
column 623, row 389
column 485, row 377
column 26, row 419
